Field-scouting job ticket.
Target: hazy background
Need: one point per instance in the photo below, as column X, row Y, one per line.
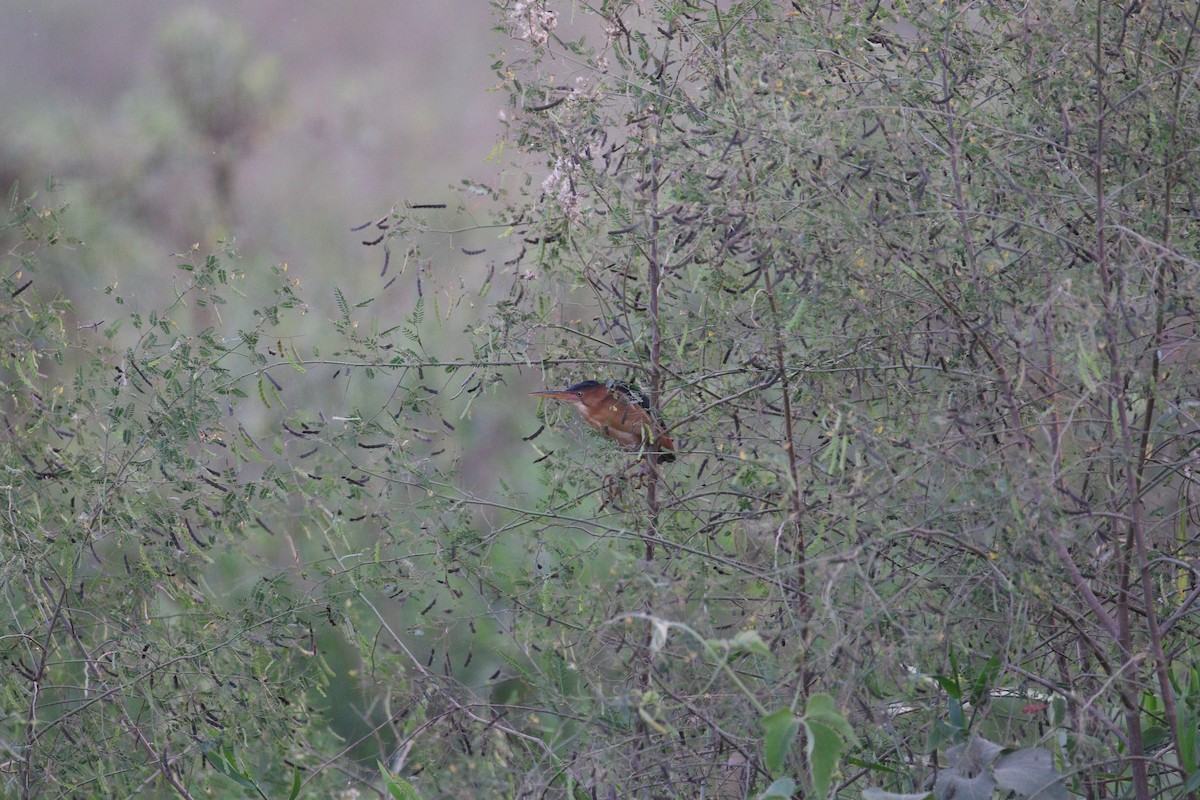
column 371, row 104
column 374, row 103
column 366, row 104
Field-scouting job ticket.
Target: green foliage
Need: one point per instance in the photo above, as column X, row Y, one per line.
column 128, row 494
column 779, row 788
column 781, row 728
column 397, row 787
column 826, row 733
column 914, row 372
column 226, row 762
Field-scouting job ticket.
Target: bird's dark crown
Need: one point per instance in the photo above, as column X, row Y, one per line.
column 583, row 386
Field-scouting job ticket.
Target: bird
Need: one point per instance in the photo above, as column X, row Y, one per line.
column 617, row 412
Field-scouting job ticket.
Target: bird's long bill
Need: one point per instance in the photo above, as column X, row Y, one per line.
column 555, row 395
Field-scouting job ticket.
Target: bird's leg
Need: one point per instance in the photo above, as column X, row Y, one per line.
column 636, row 475
column 612, row 489
column 644, row 471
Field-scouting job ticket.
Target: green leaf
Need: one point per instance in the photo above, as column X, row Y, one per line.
column 985, row 678
column 226, row 763
column 940, row 734
column 1192, row 784
column 949, row 685
column 1058, row 711
column 823, row 747
column 1187, row 740
column 821, row 708
column 973, row 756
column 968, row 776
column 780, row 787
column 871, row 765
column 343, row 306
column 556, row 669
column 958, row 720
column 749, row 642
column 294, row 359
column 398, row 788
column 296, row 784
column 1030, row 774
column 262, row 391
column 781, row 729
column 955, row 784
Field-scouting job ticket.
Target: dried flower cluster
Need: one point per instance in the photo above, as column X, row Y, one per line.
column 531, row 21
column 560, row 184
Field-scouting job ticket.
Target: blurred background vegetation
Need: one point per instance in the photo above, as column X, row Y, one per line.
column 270, row 128
column 273, row 125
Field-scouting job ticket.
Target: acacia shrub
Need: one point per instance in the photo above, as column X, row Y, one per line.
column 907, row 281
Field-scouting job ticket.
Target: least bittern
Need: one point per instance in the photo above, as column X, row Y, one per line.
column 619, row 413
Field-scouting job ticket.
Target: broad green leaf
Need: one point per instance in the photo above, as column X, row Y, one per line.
column 821, row 708
column 949, row 685
column 781, row 729
column 225, row 762
column 1030, row 774
column 974, row 755
column 780, row 788
column 1058, row 711
column 954, row 784
column 1193, row 783
column 750, row 642
column 957, row 717
column 823, row 747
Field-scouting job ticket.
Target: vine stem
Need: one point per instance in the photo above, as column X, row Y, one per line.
column 795, row 503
